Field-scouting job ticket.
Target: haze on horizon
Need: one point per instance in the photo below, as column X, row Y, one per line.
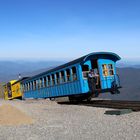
column 64, row 30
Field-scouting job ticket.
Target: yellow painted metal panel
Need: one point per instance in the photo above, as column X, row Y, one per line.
column 12, row 90
column 16, row 91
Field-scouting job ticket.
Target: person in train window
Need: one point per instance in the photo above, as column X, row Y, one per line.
column 92, row 80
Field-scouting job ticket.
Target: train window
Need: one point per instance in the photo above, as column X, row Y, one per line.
column 85, row 70
column 62, row 76
column 45, row 82
column 37, row 84
column 26, row 86
column 53, row 81
column 23, row 87
column 41, row 82
column 30, row 88
column 31, row 85
column 57, row 78
column 111, row 70
column 68, row 74
column 9, row 90
column 49, row 80
column 105, row 70
column 74, row 73
column 34, row 84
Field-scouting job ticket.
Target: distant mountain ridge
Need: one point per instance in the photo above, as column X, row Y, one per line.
column 10, row 70
column 128, row 64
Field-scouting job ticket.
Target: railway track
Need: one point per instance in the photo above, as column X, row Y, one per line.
column 133, row 105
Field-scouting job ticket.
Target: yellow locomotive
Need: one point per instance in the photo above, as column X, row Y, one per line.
column 12, row 90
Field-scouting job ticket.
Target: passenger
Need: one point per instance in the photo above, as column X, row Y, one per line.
column 92, row 81
column 97, row 78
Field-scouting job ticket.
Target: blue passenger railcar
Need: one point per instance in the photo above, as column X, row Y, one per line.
column 71, row 79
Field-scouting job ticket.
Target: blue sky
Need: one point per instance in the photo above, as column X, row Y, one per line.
column 67, row 29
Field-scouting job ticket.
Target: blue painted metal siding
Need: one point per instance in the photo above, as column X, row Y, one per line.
column 55, row 91
column 84, row 81
column 63, row 89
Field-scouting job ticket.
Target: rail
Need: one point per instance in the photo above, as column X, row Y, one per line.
column 116, row 104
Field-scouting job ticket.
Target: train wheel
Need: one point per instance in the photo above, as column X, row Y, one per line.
column 72, row 99
column 115, row 92
column 89, row 99
column 52, row 99
column 95, row 94
column 79, row 98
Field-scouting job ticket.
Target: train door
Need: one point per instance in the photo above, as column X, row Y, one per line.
column 95, row 67
column 85, row 70
column 9, row 90
column 107, row 71
column 91, row 64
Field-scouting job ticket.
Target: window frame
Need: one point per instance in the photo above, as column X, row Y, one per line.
column 68, row 75
column 111, row 69
column 74, row 73
column 85, row 72
column 105, row 70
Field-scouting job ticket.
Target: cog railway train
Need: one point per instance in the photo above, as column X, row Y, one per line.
column 70, row 79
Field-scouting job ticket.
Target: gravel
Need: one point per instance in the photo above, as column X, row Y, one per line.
column 53, row 121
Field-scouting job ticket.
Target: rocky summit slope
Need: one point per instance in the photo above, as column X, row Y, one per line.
column 53, row 121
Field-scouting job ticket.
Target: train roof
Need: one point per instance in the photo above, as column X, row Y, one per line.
column 12, row 81
column 20, row 80
column 81, row 60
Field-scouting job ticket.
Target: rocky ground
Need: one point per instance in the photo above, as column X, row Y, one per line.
column 52, row 121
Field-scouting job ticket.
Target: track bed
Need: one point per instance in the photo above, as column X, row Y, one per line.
column 134, row 105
